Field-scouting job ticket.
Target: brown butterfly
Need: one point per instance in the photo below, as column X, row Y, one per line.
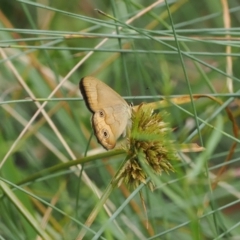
column 111, row 113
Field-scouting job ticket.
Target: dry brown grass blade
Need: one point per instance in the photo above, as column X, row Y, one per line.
column 229, row 60
column 144, row 207
column 232, row 149
column 189, row 147
column 177, row 100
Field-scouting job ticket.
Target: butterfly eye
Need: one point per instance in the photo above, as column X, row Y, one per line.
column 101, row 114
column 105, row 133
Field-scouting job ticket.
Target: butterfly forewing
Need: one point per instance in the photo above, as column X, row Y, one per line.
column 99, row 95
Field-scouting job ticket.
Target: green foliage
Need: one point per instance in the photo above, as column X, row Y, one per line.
column 142, row 49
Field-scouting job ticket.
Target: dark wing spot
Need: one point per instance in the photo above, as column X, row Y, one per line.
column 101, row 113
column 105, row 133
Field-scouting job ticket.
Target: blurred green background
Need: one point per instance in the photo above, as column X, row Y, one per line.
column 148, row 49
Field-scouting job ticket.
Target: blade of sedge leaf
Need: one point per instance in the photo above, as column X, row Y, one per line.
column 21, row 208
column 210, row 147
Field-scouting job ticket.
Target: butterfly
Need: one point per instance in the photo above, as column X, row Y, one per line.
column 111, row 113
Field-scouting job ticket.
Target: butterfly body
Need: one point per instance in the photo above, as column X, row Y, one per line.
column 111, row 113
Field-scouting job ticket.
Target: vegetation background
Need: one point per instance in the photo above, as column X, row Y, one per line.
column 151, row 49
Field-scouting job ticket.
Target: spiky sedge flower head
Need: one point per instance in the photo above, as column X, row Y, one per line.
column 148, row 144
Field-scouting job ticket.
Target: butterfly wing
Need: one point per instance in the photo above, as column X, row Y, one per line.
column 109, row 124
column 98, row 95
column 111, row 113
